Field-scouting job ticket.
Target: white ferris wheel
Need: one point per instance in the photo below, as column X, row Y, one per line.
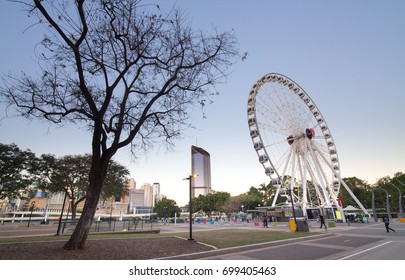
column 294, row 144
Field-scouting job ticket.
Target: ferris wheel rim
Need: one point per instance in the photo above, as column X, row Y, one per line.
column 268, row 163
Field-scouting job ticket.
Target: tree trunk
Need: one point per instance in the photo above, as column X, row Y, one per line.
column 79, row 236
column 74, row 209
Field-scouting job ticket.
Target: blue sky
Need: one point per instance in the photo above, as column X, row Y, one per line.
column 347, row 55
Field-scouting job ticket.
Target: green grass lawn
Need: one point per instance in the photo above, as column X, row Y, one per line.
column 237, row 237
column 218, row 238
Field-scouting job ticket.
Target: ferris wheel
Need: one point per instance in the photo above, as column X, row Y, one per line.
column 294, row 143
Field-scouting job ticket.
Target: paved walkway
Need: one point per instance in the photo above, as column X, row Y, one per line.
column 345, row 241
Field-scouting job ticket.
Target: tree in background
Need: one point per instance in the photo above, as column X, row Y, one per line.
column 249, row 200
column 165, row 208
column 18, row 171
column 129, row 72
column 360, row 190
column 399, row 177
column 212, row 202
column 233, row 205
column 71, row 174
column 391, row 185
column 268, row 191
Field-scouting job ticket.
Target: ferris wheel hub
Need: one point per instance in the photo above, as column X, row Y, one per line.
column 310, row 132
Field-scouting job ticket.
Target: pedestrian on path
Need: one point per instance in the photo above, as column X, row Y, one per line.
column 265, row 222
column 386, row 221
column 322, row 220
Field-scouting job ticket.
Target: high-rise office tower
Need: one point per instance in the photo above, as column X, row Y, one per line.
column 201, row 165
column 156, row 193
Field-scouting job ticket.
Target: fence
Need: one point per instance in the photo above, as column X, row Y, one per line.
column 106, row 226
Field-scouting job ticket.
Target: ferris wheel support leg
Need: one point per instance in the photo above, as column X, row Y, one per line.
column 304, row 181
column 353, row 196
column 344, row 184
column 281, row 178
column 276, row 196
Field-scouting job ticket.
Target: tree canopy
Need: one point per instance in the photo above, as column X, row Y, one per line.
column 166, row 208
column 19, row 170
column 71, row 174
column 212, row 202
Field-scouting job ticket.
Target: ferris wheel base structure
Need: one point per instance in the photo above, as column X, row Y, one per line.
column 294, row 144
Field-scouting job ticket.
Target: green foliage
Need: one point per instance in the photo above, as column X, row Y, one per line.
column 165, row 208
column 22, row 171
column 267, row 191
column 212, row 202
column 359, row 188
column 391, row 185
column 19, row 169
column 71, row 173
column 249, row 201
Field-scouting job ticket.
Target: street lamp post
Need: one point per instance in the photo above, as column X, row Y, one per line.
column 387, row 203
column 189, row 178
column 373, row 206
column 401, row 211
column 67, row 216
column 61, row 213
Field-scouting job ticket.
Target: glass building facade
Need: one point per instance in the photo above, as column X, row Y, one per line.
column 201, row 165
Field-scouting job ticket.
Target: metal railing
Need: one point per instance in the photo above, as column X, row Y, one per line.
column 67, row 227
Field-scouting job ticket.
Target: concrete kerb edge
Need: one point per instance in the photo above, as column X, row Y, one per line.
column 198, row 242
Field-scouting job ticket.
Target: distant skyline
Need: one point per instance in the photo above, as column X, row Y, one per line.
column 347, row 55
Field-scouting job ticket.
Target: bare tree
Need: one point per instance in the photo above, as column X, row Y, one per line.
column 131, row 73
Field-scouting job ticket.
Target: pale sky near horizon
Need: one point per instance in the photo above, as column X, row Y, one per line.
column 349, row 56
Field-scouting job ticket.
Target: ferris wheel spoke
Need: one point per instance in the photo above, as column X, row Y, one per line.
column 274, row 129
column 276, row 143
column 287, row 158
column 320, row 177
column 319, row 199
column 273, row 118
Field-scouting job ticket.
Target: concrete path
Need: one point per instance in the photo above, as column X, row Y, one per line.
column 345, row 241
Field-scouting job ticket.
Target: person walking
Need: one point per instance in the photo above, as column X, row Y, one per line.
column 265, row 222
column 386, row 221
column 322, row 220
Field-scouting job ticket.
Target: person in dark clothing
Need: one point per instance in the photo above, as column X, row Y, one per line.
column 265, row 222
column 386, row 221
column 322, row 220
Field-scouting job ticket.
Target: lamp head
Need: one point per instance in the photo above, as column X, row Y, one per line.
column 191, row 176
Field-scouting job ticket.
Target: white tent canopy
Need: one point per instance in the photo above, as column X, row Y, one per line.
column 351, row 208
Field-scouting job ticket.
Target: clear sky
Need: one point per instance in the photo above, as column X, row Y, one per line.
column 349, row 56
